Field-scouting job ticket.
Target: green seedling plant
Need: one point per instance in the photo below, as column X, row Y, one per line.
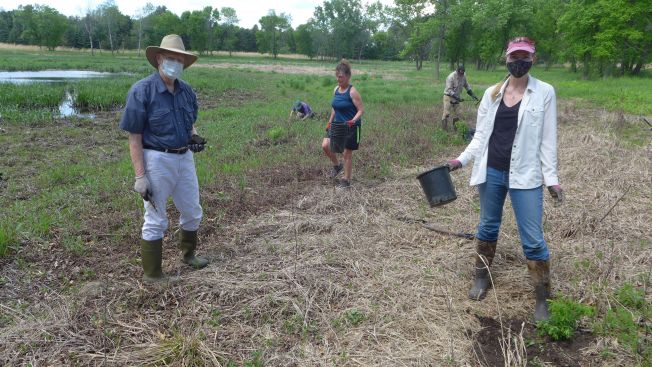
column 216, row 315
column 350, row 318
column 565, row 315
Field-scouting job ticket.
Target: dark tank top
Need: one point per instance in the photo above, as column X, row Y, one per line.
column 343, row 106
column 502, row 137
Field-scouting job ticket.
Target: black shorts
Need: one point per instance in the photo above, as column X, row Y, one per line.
column 350, row 140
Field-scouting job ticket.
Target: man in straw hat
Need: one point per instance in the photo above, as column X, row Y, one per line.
column 159, row 115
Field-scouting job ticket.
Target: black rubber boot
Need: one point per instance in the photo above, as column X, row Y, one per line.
column 151, row 253
column 485, row 251
column 188, row 244
column 540, row 278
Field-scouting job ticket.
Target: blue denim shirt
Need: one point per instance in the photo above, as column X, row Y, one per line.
column 164, row 119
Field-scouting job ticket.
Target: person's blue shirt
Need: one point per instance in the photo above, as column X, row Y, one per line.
column 343, row 106
column 164, row 119
column 303, row 107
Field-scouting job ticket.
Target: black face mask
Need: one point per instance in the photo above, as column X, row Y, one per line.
column 519, row 68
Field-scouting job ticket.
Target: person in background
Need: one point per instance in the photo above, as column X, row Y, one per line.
column 452, row 96
column 347, row 110
column 514, row 150
column 159, row 115
column 302, row 110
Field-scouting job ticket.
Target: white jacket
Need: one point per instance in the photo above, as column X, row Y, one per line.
column 534, row 153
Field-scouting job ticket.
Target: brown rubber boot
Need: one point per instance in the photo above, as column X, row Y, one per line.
column 485, row 251
column 540, row 278
column 151, row 253
column 188, row 244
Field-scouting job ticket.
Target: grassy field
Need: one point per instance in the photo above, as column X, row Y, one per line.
column 302, row 274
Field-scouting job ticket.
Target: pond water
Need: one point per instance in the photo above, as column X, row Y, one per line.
column 50, row 76
column 67, row 105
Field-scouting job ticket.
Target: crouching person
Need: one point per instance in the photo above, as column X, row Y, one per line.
column 159, row 115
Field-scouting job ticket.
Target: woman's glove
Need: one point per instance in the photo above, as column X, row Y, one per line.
column 196, row 143
column 141, row 186
column 350, row 123
column 453, row 164
column 557, row 194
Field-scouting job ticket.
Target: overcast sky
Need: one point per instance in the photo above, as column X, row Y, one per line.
column 248, row 11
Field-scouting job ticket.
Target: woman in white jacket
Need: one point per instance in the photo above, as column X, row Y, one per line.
column 514, row 150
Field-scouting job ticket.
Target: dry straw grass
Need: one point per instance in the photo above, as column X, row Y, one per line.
column 13, row 46
column 287, row 68
column 337, row 278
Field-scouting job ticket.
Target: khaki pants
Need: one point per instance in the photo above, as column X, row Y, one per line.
column 171, row 175
column 450, row 111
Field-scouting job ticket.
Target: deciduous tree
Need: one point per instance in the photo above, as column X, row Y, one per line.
column 269, row 37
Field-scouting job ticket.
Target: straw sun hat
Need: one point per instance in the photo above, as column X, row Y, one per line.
column 171, row 43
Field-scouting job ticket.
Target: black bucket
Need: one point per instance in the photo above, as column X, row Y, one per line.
column 338, row 135
column 438, row 186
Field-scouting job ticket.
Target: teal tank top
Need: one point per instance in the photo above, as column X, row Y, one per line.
column 343, row 106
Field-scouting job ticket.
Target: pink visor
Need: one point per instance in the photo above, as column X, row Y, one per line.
column 519, row 46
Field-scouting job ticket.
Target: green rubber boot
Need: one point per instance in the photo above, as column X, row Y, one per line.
column 188, row 244
column 151, row 253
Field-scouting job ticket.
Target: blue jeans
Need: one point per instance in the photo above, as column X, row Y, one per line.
column 528, row 210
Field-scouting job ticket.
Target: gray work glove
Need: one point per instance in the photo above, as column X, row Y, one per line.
column 196, row 143
column 557, row 194
column 142, row 187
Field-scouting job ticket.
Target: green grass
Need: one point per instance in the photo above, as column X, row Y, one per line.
column 628, row 320
column 8, row 237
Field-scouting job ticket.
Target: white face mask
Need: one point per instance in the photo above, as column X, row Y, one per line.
column 171, row 68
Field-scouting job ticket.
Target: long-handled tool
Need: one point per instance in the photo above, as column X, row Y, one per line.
column 437, row 228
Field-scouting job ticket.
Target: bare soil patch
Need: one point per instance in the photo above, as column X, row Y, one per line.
column 230, row 97
column 569, row 353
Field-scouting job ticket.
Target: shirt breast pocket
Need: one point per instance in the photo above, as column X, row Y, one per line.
column 534, row 115
column 188, row 116
column 161, row 122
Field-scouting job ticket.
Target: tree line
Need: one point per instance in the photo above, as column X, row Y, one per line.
column 600, row 37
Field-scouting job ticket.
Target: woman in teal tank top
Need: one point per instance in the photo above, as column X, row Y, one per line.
column 344, row 124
